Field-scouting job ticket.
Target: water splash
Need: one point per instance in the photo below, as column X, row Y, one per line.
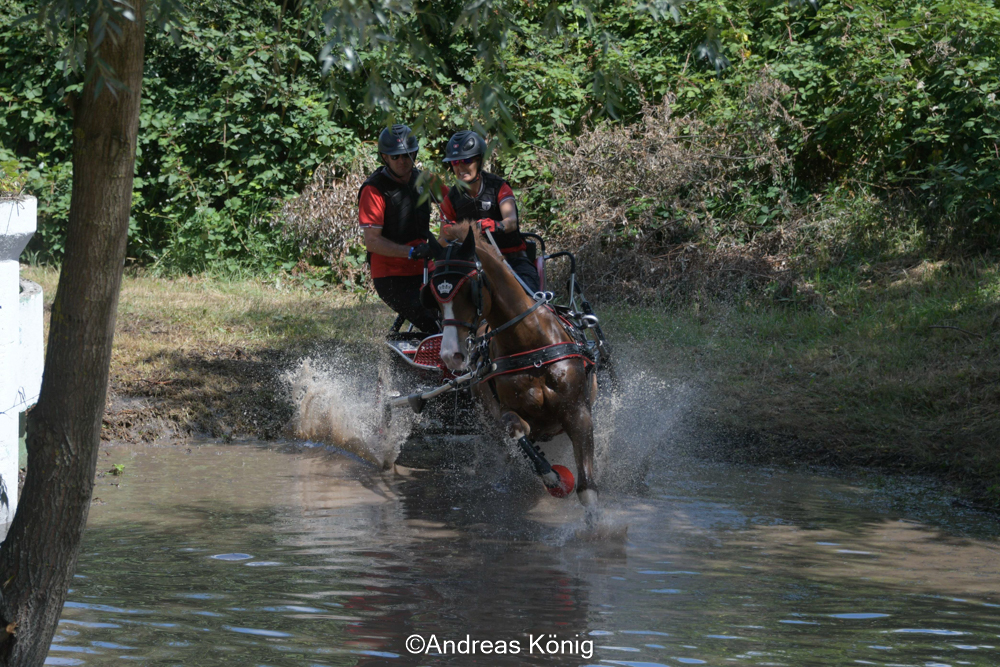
column 639, row 416
column 339, row 403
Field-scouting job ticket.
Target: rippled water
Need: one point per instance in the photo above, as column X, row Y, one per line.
column 244, row 555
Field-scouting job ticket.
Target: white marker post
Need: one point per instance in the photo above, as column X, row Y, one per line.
column 21, row 341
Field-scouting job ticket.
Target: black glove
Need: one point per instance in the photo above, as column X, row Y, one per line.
column 422, row 251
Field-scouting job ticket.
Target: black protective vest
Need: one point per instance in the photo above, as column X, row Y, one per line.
column 484, row 206
column 404, row 219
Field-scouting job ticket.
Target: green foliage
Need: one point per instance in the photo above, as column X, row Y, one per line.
column 11, row 178
column 902, row 95
column 234, row 119
column 891, row 101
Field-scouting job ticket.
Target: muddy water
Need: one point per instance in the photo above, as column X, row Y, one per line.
column 247, row 555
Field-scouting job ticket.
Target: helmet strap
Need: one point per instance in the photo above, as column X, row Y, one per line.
column 479, row 177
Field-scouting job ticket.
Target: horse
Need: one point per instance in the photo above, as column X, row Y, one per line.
column 540, row 381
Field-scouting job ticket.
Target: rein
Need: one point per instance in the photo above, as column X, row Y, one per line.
column 486, row 369
column 511, row 322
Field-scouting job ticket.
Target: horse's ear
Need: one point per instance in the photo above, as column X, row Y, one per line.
column 468, row 248
column 436, row 249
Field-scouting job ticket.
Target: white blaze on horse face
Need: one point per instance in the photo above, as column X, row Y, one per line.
column 452, row 352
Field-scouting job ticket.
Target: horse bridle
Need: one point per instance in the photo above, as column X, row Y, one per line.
column 444, row 291
column 471, row 271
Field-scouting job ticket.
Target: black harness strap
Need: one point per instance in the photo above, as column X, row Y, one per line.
column 509, row 323
column 537, row 358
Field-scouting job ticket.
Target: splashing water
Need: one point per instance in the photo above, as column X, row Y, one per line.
column 640, row 416
column 340, row 401
column 343, row 406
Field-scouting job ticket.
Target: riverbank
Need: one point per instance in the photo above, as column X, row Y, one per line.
column 894, row 365
column 205, row 356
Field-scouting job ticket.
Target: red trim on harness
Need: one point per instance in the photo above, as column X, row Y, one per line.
column 490, row 376
column 454, row 289
column 566, row 323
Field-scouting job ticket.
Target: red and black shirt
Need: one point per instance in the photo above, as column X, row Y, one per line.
column 459, row 205
column 385, row 203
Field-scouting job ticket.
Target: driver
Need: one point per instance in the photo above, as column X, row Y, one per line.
column 487, row 199
column 396, row 227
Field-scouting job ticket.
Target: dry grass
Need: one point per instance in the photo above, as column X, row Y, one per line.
column 634, row 201
column 323, row 220
column 203, row 356
column 901, row 371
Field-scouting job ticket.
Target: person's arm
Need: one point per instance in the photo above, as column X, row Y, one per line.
column 371, row 214
column 508, row 209
column 379, row 245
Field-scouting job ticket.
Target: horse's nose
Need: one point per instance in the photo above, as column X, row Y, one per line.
column 455, row 361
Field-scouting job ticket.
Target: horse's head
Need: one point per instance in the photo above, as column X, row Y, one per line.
column 455, row 287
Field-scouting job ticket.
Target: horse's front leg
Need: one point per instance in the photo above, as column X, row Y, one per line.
column 579, row 426
column 558, row 479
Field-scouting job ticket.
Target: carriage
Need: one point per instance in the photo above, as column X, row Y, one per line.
column 582, row 340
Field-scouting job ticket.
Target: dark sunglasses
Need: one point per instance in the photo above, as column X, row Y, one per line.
column 401, row 155
column 468, row 160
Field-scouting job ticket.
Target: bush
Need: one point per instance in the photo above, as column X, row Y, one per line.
column 639, row 202
column 11, row 180
column 323, row 221
column 234, row 120
column 891, row 101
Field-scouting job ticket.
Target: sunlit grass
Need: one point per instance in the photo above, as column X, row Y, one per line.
column 206, row 354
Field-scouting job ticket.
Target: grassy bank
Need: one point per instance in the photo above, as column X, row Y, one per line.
column 895, row 365
column 204, row 355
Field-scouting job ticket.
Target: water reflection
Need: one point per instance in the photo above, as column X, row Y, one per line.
column 242, row 555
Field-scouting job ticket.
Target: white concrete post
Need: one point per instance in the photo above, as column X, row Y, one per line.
column 17, row 225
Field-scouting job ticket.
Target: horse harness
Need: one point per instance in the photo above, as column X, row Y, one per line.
column 442, row 290
column 557, row 479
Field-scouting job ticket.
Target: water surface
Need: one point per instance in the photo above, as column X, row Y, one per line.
column 213, row 554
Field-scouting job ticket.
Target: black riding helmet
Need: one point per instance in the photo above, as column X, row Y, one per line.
column 464, row 144
column 397, row 140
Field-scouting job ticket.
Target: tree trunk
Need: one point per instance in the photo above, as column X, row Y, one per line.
column 39, row 554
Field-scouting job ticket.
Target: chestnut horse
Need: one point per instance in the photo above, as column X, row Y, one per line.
column 484, row 304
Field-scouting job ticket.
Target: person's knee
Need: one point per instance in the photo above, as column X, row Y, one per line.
column 530, row 277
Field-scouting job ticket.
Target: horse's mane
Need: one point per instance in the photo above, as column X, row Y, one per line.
column 458, row 232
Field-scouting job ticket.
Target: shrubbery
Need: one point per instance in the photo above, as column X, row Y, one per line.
column 11, row 180
column 818, row 117
column 234, row 118
column 323, row 221
column 637, row 201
